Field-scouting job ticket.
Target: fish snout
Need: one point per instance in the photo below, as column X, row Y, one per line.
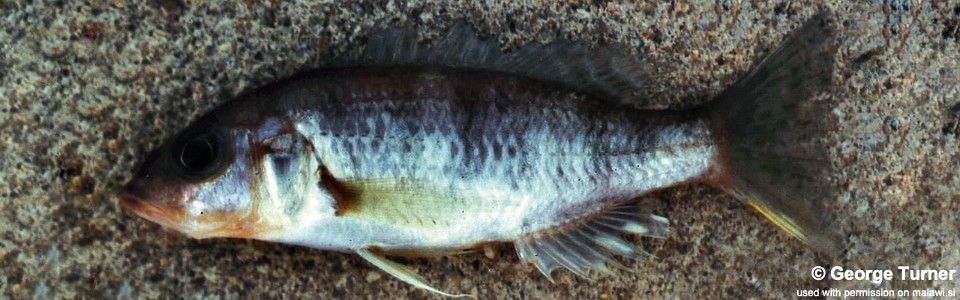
column 144, row 198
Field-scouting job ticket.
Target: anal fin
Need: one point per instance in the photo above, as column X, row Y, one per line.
column 402, row 272
column 591, row 244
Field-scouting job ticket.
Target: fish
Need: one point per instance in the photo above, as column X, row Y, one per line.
column 412, row 149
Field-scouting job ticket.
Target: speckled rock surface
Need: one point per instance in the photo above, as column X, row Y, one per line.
column 86, row 89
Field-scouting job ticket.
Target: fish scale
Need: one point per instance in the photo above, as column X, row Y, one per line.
column 606, row 154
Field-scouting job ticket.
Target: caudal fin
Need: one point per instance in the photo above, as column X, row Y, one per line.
column 768, row 123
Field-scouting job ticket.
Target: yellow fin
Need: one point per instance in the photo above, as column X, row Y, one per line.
column 769, row 126
column 402, row 272
column 387, row 195
column 409, row 201
column 822, row 240
column 782, row 220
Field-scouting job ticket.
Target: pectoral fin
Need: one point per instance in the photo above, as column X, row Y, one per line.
column 402, row 272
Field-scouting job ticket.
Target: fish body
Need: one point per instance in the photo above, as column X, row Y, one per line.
column 457, row 162
column 405, row 157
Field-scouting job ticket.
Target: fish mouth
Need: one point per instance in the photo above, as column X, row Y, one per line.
column 236, row 224
column 165, row 216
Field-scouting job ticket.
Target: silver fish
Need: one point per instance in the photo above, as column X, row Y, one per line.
column 413, row 149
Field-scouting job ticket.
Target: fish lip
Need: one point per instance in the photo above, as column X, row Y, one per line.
column 137, row 206
column 129, row 202
column 134, row 203
column 167, row 217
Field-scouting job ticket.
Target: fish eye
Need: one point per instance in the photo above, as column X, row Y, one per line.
column 200, row 154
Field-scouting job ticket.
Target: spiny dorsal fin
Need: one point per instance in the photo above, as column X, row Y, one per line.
column 610, row 73
column 402, row 272
column 592, row 244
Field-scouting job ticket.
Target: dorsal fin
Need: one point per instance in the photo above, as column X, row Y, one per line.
column 591, row 244
column 609, row 73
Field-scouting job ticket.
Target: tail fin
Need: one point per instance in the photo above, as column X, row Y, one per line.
column 767, row 124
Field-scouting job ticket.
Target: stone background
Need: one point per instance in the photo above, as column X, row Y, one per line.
column 88, row 88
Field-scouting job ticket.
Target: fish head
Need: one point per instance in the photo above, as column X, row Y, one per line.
column 198, row 183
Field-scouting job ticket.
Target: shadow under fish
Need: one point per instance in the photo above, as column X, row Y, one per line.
column 414, row 149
